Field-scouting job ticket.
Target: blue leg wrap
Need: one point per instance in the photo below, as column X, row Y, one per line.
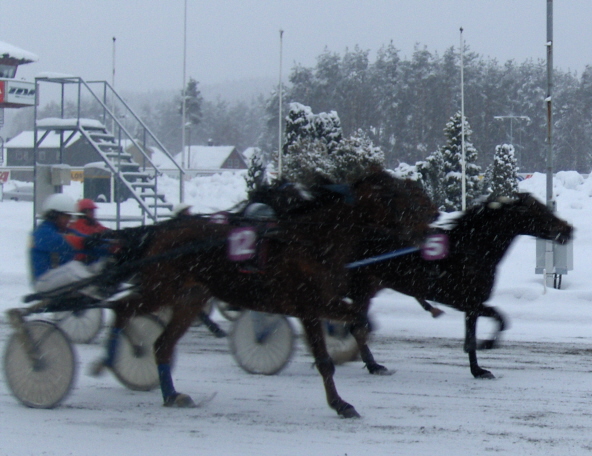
column 166, row 381
column 112, row 344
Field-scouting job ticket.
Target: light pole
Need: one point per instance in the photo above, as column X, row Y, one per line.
column 462, row 123
column 188, row 125
column 512, row 118
column 113, row 86
column 183, row 107
column 280, row 111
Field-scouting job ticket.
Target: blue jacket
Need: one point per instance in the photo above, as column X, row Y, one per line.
column 49, row 249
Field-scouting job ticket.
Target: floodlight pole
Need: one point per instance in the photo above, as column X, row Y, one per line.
column 462, row 123
column 113, row 87
column 549, row 251
column 183, row 108
column 280, row 95
column 548, row 100
column 512, row 118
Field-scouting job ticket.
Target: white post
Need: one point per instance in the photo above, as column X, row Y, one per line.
column 113, row 87
column 280, row 94
column 462, row 123
column 183, row 108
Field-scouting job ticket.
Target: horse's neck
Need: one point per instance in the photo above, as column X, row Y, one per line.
column 486, row 239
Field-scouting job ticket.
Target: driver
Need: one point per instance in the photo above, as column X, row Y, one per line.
column 54, row 246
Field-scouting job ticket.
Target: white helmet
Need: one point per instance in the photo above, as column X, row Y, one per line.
column 60, row 203
column 179, row 208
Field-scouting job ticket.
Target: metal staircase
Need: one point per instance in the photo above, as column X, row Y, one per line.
column 132, row 179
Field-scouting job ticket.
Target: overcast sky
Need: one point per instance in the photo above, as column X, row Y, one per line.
column 235, row 39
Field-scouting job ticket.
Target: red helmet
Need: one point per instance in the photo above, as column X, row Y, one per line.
column 85, row 204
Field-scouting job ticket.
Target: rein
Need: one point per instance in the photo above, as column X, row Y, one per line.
column 383, row 257
column 126, row 268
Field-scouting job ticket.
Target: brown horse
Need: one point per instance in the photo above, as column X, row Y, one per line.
column 464, row 278
column 303, row 274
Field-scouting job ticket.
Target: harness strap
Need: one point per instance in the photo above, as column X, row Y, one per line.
column 126, row 268
column 383, row 257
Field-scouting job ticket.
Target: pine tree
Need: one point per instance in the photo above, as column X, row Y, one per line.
column 504, row 172
column 452, row 155
column 353, row 156
column 300, row 124
column 328, row 128
column 431, row 176
column 256, row 173
column 306, row 160
column 315, row 147
column 193, row 103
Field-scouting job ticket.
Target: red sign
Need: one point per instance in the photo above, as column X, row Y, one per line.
column 17, row 94
column 4, row 176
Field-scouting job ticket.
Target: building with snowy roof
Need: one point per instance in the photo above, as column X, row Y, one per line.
column 205, row 160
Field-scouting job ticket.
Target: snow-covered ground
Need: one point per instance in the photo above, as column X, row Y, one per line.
column 538, row 404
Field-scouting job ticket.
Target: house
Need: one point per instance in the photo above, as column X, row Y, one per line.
column 77, row 152
column 203, row 160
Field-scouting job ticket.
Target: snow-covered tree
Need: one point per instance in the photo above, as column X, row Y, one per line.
column 502, row 180
column 193, row 103
column 353, row 156
column 431, row 176
column 315, row 147
column 300, row 124
column 328, row 128
column 256, row 173
column 307, row 159
column 452, row 156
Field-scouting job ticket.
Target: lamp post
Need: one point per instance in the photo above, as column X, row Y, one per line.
column 113, row 86
column 462, row 123
column 188, row 126
column 512, row 118
column 183, row 107
column 549, row 251
column 280, row 110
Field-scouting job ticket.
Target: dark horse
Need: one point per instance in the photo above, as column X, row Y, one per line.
column 303, row 274
column 464, row 279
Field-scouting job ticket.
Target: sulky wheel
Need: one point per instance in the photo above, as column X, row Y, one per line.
column 134, row 365
column 228, row 311
column 341, row 345
column 261, row 343
column 81, row 326
column 39, row 364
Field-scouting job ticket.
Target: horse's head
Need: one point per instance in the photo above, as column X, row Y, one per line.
column 401, row 206
column 527, row 215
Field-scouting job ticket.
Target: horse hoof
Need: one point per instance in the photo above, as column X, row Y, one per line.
column 350, row 412
column 485, row 375
column 98, row 368
column 378, row 369
column 180, row 401
column 487, row 345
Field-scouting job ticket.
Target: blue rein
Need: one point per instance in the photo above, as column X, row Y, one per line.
column 383, row 257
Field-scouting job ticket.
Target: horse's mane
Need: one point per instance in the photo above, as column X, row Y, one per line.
column 133, row 241
column 478, row 213
column 291, row 199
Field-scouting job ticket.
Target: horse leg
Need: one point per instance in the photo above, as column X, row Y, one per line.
column 211, row 325
column 314, row 334
column 122, row 315
column 471, row 346
column 360, row 331
column 492, row 312
column 184, row 313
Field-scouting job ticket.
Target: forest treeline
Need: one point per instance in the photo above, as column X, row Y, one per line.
column 403, row 105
